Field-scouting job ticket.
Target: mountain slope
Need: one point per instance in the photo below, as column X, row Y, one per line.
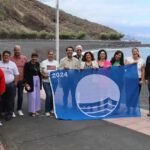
column 31, row 16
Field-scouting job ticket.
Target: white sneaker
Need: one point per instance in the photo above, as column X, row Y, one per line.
column 20, row 113
column 47, row 114
column 52, row 111
column 1, row 124
column 13, row 115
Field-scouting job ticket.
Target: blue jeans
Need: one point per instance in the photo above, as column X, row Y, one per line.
column 49, row 98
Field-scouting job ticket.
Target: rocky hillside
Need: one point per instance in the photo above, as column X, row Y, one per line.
column 22, row 17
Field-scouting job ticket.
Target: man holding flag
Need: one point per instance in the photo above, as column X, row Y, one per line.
column 47, row 66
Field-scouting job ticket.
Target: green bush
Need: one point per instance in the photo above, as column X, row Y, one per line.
column 4, row 33
column 103, row 36
column 80, row 35
column 72, row 35
column 51, row 36
column 66, row 35
column 45, row 35
column 114, row 36
column 110, row 36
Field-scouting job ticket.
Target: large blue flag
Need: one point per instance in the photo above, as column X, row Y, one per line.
column 96, row 93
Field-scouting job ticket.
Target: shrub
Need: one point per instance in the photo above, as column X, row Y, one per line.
column 103, row 36
column 115, row 36
column 66, row 35
column 3, row 33
column 80, row 35
column 110, row 36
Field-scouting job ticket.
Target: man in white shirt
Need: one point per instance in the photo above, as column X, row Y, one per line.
column 11, row 74
column 47, row 66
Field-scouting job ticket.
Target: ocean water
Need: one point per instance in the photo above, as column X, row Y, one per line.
column 144, row 52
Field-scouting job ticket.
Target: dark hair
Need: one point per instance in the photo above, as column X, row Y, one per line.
column 34, row 55
column 121, row 59
column 84, row 56
column 6, row 52
column 0, row 56
column 70, row 47
column 136, row 49
column 50, row 52
column 99, row 52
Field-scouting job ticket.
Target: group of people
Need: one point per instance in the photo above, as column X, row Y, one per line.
column 17, row 74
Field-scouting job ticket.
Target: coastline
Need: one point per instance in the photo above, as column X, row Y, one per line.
column 41, row 46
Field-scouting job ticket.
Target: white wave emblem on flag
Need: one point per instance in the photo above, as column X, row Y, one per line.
column 97, row 95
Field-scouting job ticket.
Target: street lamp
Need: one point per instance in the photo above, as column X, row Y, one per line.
column 57, row 30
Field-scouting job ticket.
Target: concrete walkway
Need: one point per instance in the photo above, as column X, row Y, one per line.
column 140, row 124
column 48, row 133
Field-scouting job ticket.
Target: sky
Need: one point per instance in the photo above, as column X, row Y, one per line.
column 130, row 17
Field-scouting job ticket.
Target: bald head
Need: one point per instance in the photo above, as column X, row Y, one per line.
column 17, row 50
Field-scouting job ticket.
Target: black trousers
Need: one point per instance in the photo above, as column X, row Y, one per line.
column 149, row 93
column 8, row 100
column 19, row 89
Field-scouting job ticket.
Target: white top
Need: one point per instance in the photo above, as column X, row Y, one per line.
column 10, row 71
column 140, row 64
column 94, row 65
column 48, row 66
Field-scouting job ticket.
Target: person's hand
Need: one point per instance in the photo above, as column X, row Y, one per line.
column 66, row 68
column 27, row 87
column 45, row 75
column 95, row 68
column 141, row 82
column 15, row 83
column 146, row 81
column 2, row 93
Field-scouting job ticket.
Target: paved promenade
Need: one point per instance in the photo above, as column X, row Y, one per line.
column 47, row 133
column 139, row 124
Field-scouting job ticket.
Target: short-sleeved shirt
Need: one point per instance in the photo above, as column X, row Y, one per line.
column 10, row 71
column 20, row 62
column 48, row 66
column 72, row 63
column 140, row 64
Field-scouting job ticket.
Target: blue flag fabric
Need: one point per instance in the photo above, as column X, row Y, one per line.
column 96, row 93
